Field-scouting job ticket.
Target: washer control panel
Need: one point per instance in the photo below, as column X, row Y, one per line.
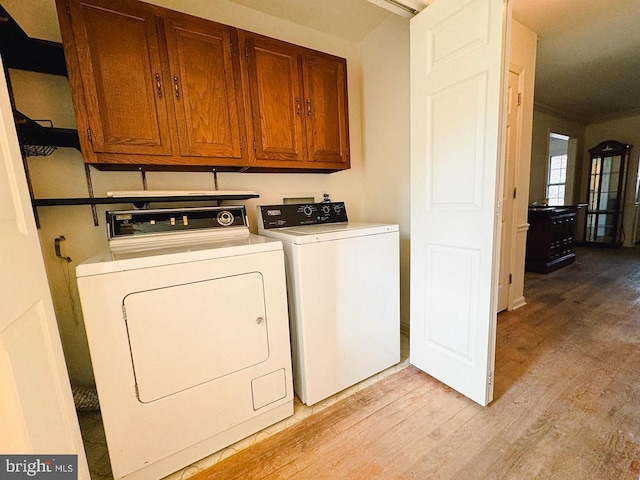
column 294, row 215
column 129, row 223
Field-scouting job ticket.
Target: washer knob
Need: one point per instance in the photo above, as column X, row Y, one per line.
column 307, row 210
column 326, row 209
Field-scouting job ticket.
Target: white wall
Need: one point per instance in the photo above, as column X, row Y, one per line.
column 379, row 172
column 545, row 122
column 624, row 130
column 386, row 126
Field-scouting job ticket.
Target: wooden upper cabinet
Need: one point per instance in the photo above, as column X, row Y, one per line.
column 326, row 108
column 298, row 105
column 155, row 88
column 203, row 73
column 275, row 89
column 119, row 60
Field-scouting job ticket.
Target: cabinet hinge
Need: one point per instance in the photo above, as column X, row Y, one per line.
column 89, row 135
column 510, row 279
column 519, row 98
column 68, row 7
column 490, row 378
column 231, row 48
column 240, row 144
column 254, row 146
column 515, row 191
column 246, row 51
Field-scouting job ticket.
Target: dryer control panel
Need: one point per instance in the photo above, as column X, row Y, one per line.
column 132, row 223
column 295, row 215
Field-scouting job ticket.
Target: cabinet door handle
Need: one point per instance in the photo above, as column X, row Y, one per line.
column 158, row 85
column 297, row 106
column 308, row 107
column 175, row 84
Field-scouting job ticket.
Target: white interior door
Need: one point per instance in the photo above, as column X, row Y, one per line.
column 457, row 79
column 38, row 415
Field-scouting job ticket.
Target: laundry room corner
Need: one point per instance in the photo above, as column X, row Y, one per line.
column 374, row 188
column 63, row 173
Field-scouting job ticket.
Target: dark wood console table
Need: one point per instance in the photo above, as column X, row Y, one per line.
column 550, row 239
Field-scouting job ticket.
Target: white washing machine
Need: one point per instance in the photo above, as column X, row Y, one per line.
column 186, row 318
column 343, row 283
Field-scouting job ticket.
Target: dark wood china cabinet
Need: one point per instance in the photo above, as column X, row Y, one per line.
column 606, row 191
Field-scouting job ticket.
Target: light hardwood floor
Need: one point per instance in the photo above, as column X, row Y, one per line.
column 566, row 404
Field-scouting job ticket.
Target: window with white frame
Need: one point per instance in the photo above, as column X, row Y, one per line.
column 557, row 179
column 557, row 169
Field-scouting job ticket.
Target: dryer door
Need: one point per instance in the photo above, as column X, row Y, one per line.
column 186, row 335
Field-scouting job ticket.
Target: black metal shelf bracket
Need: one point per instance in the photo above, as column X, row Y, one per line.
column 21, row 52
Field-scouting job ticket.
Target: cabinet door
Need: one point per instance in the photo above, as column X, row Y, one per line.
column 276, row 99
column 204, row 75
column 119, row 61
column 326, row 108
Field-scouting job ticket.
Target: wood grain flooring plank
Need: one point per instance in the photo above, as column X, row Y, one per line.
column 256, row 463
column 485, row 434
column 607, row 443
column 533, row 448
column 417, row 425
column 349, row 444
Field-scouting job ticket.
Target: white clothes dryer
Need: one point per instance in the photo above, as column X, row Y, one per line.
column 186, row 319
column 343, row 284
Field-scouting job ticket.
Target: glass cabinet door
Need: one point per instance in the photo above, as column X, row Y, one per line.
column 606, row 193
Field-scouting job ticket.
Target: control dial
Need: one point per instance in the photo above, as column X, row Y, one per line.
column 307, row 210
column 225, row 218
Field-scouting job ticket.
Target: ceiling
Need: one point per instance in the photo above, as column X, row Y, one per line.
column 351, row 20
column 588, row 62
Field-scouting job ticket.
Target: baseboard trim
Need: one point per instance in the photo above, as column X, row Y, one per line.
column 517, row 303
